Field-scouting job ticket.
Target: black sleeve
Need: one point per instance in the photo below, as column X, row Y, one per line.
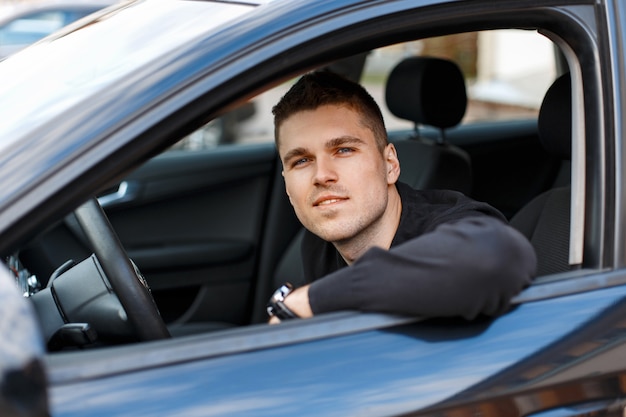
column 463, row 268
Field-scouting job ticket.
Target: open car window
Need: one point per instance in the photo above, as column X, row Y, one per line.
column 209, row 205
column 207, row 221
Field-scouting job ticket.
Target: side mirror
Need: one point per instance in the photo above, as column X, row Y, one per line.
column 23, row 384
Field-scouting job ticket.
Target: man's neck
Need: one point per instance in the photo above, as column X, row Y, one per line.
column 380, row 233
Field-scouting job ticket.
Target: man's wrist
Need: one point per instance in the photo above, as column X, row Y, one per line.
column 298, row 302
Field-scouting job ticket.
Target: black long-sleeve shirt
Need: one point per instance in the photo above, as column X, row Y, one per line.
column 451, row 256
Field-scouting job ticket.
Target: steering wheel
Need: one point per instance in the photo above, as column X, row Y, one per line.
column 129, row 285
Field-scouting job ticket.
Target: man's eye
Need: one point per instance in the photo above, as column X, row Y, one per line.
column 300, row 161
column 344, row 150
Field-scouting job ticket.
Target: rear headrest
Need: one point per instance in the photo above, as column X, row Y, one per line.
column 555, row 118
column 428, row 91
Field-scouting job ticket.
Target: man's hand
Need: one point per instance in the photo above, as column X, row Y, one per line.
column 298, row 302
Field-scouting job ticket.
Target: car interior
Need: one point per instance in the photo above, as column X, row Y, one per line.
column 209, row 226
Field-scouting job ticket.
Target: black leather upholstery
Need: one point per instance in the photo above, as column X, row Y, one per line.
column 555, row 118
column 430, row 91
column 545, row 220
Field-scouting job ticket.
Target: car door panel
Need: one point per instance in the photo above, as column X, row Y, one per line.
column 517, row 364
column 205, row 252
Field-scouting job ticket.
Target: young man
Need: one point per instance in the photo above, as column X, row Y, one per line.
column 374, row 244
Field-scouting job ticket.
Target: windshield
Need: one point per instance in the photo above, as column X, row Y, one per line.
column 53, row 75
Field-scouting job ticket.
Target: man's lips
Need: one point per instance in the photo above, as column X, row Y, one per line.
column 327, row 200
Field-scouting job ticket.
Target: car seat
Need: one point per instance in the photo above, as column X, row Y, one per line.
column 545, row 220
column 430, row 92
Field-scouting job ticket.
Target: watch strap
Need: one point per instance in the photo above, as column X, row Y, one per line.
column 276, row 305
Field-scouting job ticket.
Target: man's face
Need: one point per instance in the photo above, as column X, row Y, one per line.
column 336, row 178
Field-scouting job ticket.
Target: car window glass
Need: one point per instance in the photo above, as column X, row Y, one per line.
column 502, row 84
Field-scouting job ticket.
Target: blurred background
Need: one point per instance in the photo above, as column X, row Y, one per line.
column 23, row 22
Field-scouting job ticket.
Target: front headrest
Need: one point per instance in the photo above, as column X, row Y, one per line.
column 555, row 118
column 428, row 91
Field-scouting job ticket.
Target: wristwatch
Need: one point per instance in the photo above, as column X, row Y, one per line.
column 276, row 306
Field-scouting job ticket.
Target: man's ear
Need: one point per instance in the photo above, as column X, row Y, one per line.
column 393, row 163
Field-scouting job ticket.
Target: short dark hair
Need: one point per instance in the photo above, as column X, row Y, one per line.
column 320, row 88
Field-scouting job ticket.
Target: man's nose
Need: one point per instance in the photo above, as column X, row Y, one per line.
column 325, row 172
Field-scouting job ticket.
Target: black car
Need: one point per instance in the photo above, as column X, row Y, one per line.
column 106, row 171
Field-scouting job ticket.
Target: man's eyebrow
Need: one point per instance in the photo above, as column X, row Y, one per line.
column 294, row 153
column 343, row 140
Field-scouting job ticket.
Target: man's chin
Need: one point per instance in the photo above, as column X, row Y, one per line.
column 339, row 228
column 333, row 236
